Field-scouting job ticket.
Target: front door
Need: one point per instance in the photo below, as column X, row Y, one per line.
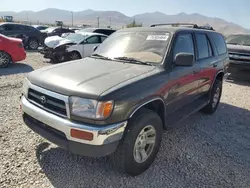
column 183, row 86
column 90, row 43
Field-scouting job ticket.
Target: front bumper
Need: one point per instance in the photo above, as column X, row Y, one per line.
column 239, row 64
column 57, row 130
column 54, row 54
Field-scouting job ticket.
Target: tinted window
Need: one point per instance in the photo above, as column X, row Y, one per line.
column 184, row 43
column 202, row 45
column 210, row 50
column 219, row 43
column 103, row 38
column 8, row 27
column 93, row 40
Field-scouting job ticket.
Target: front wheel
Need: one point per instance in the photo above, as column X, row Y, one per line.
column 140, row 144
column 74, row 56
column 214, row 98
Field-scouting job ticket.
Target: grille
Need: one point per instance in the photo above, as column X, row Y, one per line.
column 49, row 103
column 239, row 56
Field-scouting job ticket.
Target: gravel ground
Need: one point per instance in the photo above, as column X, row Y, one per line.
column 206, row 151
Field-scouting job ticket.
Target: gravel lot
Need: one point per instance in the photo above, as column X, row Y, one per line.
column 206, row 151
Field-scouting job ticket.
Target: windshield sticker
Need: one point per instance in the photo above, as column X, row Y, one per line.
column 157, row 37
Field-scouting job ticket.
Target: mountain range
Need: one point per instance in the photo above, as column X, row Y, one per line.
column 119, row 20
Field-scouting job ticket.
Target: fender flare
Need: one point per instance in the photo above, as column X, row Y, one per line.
column 147, row 102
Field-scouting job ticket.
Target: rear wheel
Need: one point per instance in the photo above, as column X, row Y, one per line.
column 33, row 44
column 5, row 59
column 140, row 144
column 214, row 99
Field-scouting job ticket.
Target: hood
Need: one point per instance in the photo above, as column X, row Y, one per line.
column 238, row 49
column 87, row 77
column 55, row 41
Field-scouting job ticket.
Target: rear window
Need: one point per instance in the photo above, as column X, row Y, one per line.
column 219, row 43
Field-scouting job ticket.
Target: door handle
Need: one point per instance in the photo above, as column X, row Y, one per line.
column 214, row 65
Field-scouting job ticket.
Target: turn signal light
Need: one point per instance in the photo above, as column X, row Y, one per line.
column 81, row 134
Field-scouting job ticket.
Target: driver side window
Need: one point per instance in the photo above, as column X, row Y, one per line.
column 184, row 43
column 93, row 40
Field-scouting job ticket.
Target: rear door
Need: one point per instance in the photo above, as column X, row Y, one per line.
column 207, row 61
column 183, row 88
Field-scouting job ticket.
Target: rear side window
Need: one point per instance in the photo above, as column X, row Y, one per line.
column 184, row 43
column 219, row 43
column 203, row 46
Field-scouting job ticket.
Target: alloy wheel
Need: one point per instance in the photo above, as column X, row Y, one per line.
column 144, row 144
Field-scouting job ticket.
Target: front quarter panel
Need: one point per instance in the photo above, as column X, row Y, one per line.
column 129, row 98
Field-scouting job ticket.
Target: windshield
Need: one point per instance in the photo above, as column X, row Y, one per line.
column 143, row 46
column 50, row 29
column 77, row 38
column 239, row 40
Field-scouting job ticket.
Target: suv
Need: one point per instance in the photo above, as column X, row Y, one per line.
column 239, row 50
column 119, row 100
column 32, row 35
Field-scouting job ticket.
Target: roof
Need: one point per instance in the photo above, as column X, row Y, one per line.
column 95, row 28
column 166, row 29
column 89, row 33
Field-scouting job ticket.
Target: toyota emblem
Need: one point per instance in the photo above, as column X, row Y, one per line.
column 43, row 99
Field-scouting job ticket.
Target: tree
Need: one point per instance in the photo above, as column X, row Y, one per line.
column 134, row 24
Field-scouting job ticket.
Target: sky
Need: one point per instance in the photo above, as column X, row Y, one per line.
column 230, row 10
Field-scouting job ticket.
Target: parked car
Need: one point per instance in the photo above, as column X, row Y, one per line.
column 239, row 50
column 56, row 31
column 105, row 31
column 74, row 29
column 137, row 83
column 40, row 27
column 73, row 46
column 14, row 30
column 11, row 50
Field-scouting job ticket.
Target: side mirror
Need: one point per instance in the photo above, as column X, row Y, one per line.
column 95, row 47
column 184, row 59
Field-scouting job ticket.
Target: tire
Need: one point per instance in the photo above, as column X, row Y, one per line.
column 5, row 59
column 214, row 99
column 125, row 157
column 33, row 44
column 74, row 56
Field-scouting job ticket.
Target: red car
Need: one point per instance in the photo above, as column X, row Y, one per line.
column 11, row 50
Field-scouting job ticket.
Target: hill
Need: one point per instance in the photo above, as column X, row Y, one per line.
column 119, row 20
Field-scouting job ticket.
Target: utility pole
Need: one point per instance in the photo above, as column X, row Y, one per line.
column 98, row 21
column 27, row 18
column 72, row 18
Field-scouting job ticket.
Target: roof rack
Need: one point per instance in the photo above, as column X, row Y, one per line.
column 184, row 25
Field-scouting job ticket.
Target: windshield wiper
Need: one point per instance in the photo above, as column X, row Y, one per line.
column 133, row 60
column 101, row 57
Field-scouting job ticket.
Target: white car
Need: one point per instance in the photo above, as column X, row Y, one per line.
column 71, row 47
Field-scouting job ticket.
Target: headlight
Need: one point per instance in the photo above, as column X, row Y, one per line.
column 91, row 109
column 25, row 87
